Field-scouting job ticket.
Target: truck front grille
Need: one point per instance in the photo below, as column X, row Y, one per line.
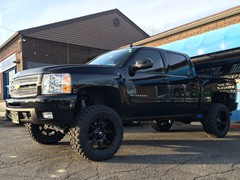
column 26, row 86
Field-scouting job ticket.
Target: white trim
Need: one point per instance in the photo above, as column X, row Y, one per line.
column 8, row 63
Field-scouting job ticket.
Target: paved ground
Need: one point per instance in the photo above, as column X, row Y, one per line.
column 183, row 153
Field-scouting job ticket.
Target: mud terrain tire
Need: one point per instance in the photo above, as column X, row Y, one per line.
column 97, row 133
column 217, row 121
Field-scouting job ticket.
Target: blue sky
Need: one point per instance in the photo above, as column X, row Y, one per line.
column 153, row 16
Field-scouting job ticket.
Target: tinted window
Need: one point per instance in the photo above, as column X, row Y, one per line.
column 178, row 64
column 154, row 55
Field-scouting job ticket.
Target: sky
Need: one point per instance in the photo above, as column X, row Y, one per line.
column 153, row 16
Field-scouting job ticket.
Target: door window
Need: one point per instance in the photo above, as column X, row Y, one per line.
column 158, row 65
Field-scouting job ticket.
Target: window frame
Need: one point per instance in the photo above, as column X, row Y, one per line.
column 169, row 67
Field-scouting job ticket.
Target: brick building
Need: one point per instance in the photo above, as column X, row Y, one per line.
column 217, row 21
column 74, row 41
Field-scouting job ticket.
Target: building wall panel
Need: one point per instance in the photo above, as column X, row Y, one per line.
column 55, row 53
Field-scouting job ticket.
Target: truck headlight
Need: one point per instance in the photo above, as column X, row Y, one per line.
column 56, row 83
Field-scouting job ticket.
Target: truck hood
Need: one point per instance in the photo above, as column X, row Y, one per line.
column 71, row 69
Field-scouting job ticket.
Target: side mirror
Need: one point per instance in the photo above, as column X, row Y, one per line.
column 142, row 64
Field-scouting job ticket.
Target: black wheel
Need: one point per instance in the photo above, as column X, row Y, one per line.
column 97, row 134
column 217, row 121
column 135, row 122
column 132, row 123
column 44, row 135
column 161, row 125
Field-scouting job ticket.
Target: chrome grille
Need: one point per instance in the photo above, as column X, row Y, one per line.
column 24, row 86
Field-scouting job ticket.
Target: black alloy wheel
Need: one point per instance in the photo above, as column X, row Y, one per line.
column 101, row 134
column 44, row 135
column 161, row 125
column 221, row 120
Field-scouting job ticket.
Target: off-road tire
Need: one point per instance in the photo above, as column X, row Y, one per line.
column 161, row 125
column 97, row 133
column 217, row 121
column 43, row 135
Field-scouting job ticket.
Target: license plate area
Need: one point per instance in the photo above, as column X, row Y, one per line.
column 15, row 117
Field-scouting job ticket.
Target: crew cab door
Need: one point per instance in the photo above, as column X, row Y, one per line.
column 184, row 83
column 149, row 89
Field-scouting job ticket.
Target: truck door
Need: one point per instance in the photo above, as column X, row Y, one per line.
column 150, row 94
column 184, row 83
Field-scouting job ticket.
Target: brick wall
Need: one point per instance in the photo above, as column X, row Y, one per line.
column 8, row 50
column 14, row 47
column 194, row 31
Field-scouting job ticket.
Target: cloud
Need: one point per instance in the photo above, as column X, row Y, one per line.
column 154, row 15
column 173, row 13
column 2, row 31
column 1, row 18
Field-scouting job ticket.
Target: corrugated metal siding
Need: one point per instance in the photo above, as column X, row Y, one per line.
column 97, row 32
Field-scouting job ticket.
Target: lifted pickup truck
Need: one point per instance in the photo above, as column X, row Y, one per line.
column 138, row 83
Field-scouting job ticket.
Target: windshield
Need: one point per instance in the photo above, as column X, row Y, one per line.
column 113, row 58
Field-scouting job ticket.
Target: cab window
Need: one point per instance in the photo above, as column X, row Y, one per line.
column 178, row 64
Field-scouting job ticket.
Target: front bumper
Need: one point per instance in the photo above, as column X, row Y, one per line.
column 30, row 110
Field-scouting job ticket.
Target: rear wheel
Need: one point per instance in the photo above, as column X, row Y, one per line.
column 135, row 122
column 42, row 134
column 217, row 121
column 132, row 123
column 98, row 133
column 161, row 125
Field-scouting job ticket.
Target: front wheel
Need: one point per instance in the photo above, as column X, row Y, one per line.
column 97, row 134
column 43, row 135
column 161, row 125
column 217, row 121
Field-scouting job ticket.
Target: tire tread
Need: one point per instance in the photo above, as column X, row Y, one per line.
column 81, row 121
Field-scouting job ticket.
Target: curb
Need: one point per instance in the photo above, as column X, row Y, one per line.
column 235, row 126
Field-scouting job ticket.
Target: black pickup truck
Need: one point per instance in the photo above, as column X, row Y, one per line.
column 90, row 102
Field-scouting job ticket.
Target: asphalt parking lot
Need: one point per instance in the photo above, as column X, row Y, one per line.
column 185, row 152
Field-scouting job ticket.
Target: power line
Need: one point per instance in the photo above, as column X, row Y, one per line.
column 8, row 29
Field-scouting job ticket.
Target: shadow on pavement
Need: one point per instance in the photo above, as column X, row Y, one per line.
column 203, row 151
